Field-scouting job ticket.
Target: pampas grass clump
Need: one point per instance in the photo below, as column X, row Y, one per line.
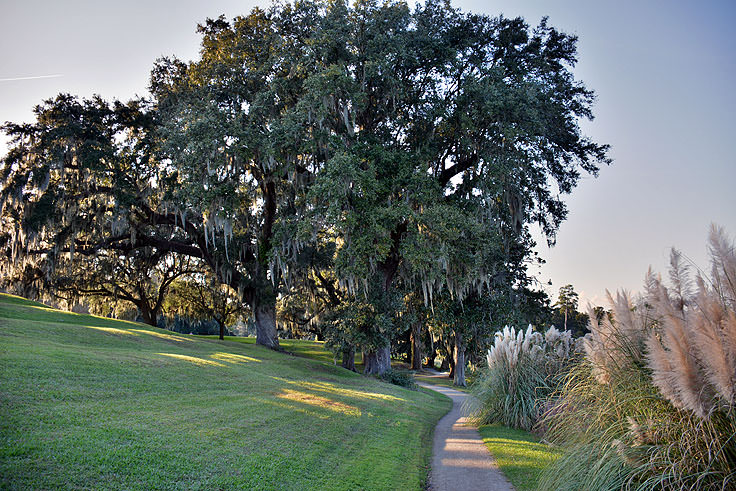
column 692, row 350
column 652, row 404
column 523, row 369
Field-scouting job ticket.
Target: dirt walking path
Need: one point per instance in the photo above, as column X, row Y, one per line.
column 460, row 459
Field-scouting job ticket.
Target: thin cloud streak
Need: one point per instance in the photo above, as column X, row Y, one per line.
column 29, row 78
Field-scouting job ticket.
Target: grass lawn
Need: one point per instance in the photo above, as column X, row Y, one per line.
column 88, row 403
column 443, row 381
column 519, row 454
column 308, row 349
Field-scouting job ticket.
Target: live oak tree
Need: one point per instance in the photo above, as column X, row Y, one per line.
column 235, row 138
column 421, row 143
column 448, row 133
column 84, row 205
column 141, row 277
column 76, row 203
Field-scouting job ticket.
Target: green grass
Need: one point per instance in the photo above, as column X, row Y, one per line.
column 314, row 350
column 519, row 454
column 443, row 381
column 89, row 402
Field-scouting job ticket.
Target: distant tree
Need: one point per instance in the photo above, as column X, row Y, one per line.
column 313, row 288
column 142, row 277
column 202, row 296
column 567, row 302
column 415, row 318
column 601, row 312
column 471, row 331
column 76, row 218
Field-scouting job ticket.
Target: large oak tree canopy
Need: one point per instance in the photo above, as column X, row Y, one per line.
column 418, row 144
column 447, row 134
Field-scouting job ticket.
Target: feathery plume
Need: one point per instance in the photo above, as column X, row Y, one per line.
column 692, row 351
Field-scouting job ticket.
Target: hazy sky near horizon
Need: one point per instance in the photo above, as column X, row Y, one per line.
column 664, row 73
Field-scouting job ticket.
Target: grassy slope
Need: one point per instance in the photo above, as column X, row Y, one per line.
column 308, row 349
column 520, row 455
column 88, row 402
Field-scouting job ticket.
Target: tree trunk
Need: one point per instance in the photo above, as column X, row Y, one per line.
column 149, row 316
column 416, row 346
column 222, row 330
column 432, row 353
column 377, row 362
column 459, row 375
column 266, row 334
column 348, row 358
column 450, row 359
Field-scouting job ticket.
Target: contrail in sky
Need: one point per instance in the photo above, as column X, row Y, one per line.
column 29, row 78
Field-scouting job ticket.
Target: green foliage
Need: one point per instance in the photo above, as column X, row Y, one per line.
column 417, row 144
column 366, row 324
column 403, row 378
column 90, row 402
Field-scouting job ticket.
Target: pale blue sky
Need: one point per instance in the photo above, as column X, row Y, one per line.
column 664, row 73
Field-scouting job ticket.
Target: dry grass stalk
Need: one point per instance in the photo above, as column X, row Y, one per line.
column 611, row 344
column 692, row 351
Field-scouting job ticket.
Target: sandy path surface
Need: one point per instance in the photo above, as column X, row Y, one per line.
column 460, row 459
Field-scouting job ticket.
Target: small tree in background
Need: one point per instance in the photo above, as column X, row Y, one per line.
column 203, row 297
column 567, row 302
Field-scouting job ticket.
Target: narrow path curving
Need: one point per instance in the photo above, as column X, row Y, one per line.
column 460, row 459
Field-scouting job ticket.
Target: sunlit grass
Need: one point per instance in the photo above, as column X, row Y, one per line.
column 314, row 350
column 162, row 335
column 333, row 389
column 444, row 381
column 193, row 359
column 113, row 330
column 319, row 401
column 14, row 307
column 92, row 403
column 233, row 358
column 519, row 454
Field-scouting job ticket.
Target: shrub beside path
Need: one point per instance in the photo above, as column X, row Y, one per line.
column 460, row 459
